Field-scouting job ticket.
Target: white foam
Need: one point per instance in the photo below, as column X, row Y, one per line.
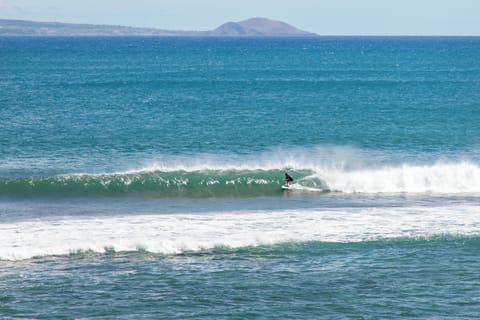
column 451, row 178
column 175, row 233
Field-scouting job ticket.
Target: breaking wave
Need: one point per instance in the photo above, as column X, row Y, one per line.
column 344, row 170
column 158, row 184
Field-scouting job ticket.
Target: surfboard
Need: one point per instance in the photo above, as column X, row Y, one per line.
column 286, row 187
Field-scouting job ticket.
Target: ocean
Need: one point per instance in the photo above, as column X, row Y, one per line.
column 140, row 178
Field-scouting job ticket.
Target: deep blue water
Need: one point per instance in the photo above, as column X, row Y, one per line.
column 140, row 178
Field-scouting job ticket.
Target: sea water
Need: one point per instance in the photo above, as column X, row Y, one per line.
column 140, row 178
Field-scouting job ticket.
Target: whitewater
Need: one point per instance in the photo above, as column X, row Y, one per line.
column 183, row 233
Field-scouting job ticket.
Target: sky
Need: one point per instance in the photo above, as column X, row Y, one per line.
column 324, row 17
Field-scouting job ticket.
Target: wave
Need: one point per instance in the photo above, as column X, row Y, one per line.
column 157, row 184
column 438, row 178
column 190, row 233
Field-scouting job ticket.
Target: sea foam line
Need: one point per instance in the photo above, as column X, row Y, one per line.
column 177, row 233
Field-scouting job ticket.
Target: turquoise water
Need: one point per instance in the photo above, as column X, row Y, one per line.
column 140, row 178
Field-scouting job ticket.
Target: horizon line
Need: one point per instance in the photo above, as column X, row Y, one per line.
column 311, row 34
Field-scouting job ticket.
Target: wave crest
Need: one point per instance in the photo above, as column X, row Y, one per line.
column 437, row 178
column 157, row 184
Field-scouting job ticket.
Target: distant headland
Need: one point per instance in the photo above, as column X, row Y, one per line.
column 256, row 27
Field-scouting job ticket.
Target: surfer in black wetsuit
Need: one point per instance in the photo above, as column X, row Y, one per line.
column 288, row 179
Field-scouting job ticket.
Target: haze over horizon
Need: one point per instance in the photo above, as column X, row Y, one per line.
column 341, row 17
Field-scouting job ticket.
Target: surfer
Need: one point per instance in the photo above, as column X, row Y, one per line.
column 288, row 179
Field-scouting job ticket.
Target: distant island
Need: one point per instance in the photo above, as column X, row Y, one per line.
column 258, row 27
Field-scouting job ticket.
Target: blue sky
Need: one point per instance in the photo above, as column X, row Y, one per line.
column 332, row 17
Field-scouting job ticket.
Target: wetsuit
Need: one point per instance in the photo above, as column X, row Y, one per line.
column 288, row 179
